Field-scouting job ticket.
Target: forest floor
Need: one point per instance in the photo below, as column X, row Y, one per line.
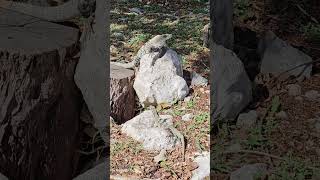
column 291, row 147
column 129, row 31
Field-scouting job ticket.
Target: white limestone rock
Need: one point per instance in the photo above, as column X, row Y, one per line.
column 161, row 83
column 203, row 170
column 143, row 128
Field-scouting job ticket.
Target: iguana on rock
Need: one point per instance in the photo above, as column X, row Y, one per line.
column 173, row 130
column 156, row 44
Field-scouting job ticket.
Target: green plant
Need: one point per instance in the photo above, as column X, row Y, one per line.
column 292, row 168
column 242, row 9
column 138, row 39
column 255, row 139
column 312, row 31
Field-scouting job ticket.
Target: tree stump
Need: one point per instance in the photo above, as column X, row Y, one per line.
column 122, row 95
column 39, row 101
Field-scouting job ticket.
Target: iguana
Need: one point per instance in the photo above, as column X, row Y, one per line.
column 173, row 130
column 156, row 44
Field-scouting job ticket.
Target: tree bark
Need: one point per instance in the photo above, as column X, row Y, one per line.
column 39, row 101
column 221, row 17
column 122, row 96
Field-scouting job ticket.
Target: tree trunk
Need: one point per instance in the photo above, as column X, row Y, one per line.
column 122, row 96
column 39, row 101
column 221, row 16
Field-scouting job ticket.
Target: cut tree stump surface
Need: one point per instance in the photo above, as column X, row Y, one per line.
column 122, row 95
column 29, row 35
column 39, row 101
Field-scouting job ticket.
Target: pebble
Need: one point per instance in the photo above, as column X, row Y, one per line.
column 282, row 115
column 294, row 89
column 187, row 99
column 247, row 120
column 298, row 98
column 198, row 80
column 187, row 117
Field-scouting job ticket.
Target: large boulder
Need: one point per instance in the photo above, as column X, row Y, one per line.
column 161, row 83
column 232, row 89
column 278, row 56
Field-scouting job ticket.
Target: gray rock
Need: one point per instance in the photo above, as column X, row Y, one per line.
column 247, row 120
column 233, row 89
column 203, row 170
column 187, row 99
column 187, row 117
column 294, row 89
column 198, row 80
column 136, row 10
column 143, row 128
column 96, row 173
column 312, row 95
column 250, row 172
column 282, row 115
column 161, row 83
column 278, row 56
column 118, row 36
column 3, row 177
column 298, row 98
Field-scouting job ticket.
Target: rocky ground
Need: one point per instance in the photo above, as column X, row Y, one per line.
column 129, row 31
column 277, row 136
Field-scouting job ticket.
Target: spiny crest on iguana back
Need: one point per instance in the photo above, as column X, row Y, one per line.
column 157, row 41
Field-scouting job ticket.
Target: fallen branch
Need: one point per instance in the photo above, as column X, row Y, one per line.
column 264, row 154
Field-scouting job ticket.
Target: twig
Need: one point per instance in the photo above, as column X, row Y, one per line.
column 307, row 14
column 92, row 151
column 254, row 152
column 264, row 154
column 300, row 65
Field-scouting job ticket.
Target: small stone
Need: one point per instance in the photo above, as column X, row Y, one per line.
column 136, row 10
column 118, row 36
column 201, row 90
column 247, row 120
column 298, row 98
column 312, row 95
column 282, row 115
column 294, row 89
column 250, row 172
column 187, row 117
column 187, row 99
column 198, row 80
